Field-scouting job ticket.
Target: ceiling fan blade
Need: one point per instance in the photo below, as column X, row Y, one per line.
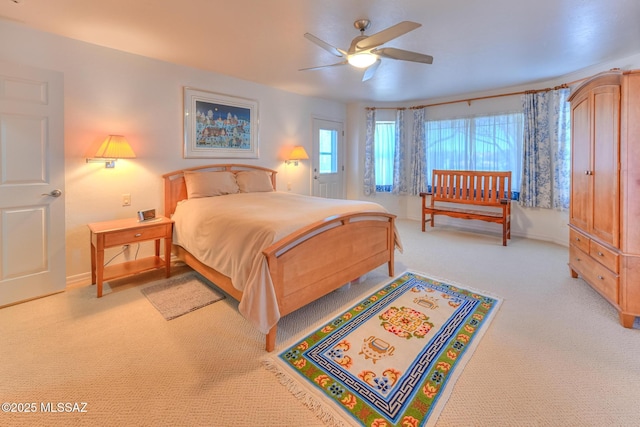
column 386, row 35
column 403, row 55
column 323, row 66
column 326, row 46
column 371, row 70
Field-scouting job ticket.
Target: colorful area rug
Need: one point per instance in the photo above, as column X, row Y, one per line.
column 179, row 295
column 391, row 359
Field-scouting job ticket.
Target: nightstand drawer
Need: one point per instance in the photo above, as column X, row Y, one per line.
column 604, row 256
column 138, row 234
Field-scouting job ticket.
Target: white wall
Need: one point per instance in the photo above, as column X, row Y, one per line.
column 111, row 92
column 108, row 91
column 542, row 224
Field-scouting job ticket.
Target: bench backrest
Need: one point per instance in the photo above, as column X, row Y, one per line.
column 486, row 188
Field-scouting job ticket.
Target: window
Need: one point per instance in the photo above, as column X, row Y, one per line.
column 476, row 143
column 384, row 153
column 327, row 151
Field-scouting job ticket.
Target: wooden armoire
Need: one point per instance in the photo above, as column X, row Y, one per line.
column 604, row 214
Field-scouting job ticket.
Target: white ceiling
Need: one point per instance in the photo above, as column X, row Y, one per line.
column 477, row 46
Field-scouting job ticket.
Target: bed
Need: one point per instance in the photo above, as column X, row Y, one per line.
column 296, row 259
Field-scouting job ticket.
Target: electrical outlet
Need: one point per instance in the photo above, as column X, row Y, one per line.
column 126, row 199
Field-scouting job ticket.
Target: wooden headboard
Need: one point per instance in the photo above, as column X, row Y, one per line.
column 175, row 188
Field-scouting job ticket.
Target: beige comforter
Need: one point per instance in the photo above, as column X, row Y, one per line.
column 229, row 233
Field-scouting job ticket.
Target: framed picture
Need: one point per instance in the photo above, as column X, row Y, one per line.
column 219, row 126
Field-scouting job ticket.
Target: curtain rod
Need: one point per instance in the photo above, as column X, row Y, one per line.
column 469, row 100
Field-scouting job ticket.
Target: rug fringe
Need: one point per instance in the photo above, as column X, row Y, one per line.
column 456, row 284
column 318, row 407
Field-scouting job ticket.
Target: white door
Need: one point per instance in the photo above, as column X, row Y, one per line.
column 328, row 164
column 32, row 225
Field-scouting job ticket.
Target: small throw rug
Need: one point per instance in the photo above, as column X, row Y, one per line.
column 180, row 295
column 391, row 359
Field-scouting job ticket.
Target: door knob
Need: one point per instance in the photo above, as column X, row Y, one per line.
column 54, row 193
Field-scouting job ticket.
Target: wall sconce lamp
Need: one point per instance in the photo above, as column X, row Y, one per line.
column 298, row 153
column 114, row 147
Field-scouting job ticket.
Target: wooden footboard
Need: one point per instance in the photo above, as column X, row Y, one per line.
column 327, row 255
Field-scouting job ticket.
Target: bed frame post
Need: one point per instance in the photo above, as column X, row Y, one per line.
column 271, row 338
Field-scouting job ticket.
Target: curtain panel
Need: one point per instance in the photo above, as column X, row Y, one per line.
column 399, row 171
column 546, row 164
column 369, row 155
column 418, row 154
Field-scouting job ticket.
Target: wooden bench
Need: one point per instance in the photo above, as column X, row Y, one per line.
column 487, row 189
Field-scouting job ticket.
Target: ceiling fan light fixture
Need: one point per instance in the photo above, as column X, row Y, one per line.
column 362, row 60
column 365, row 51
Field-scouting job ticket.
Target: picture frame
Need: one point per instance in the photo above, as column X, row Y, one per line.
column 219, row 126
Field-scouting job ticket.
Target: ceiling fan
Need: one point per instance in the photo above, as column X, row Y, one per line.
column 365, row 52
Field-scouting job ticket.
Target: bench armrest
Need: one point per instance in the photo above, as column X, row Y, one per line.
column 504, row 201
column 426, row 194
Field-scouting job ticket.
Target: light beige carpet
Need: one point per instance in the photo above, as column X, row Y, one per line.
column 555, row 353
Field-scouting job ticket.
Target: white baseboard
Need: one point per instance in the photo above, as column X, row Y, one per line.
column 77, row 280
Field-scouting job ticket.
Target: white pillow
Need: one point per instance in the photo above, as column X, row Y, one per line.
column 210, row 183
column 253, row 181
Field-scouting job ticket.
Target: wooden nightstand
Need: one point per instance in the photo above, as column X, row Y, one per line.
column 109, row 234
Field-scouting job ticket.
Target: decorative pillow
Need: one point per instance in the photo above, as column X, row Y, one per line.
column 253, row 181
column 207, row 184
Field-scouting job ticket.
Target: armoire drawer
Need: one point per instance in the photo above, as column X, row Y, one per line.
column 594, row 273
column 580, row 240
column 604, row 256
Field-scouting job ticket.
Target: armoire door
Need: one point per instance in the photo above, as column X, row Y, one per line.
column 606, row 164
column 580, row 210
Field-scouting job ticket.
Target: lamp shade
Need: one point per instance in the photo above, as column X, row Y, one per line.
column 115, row 147
column 298, row 153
